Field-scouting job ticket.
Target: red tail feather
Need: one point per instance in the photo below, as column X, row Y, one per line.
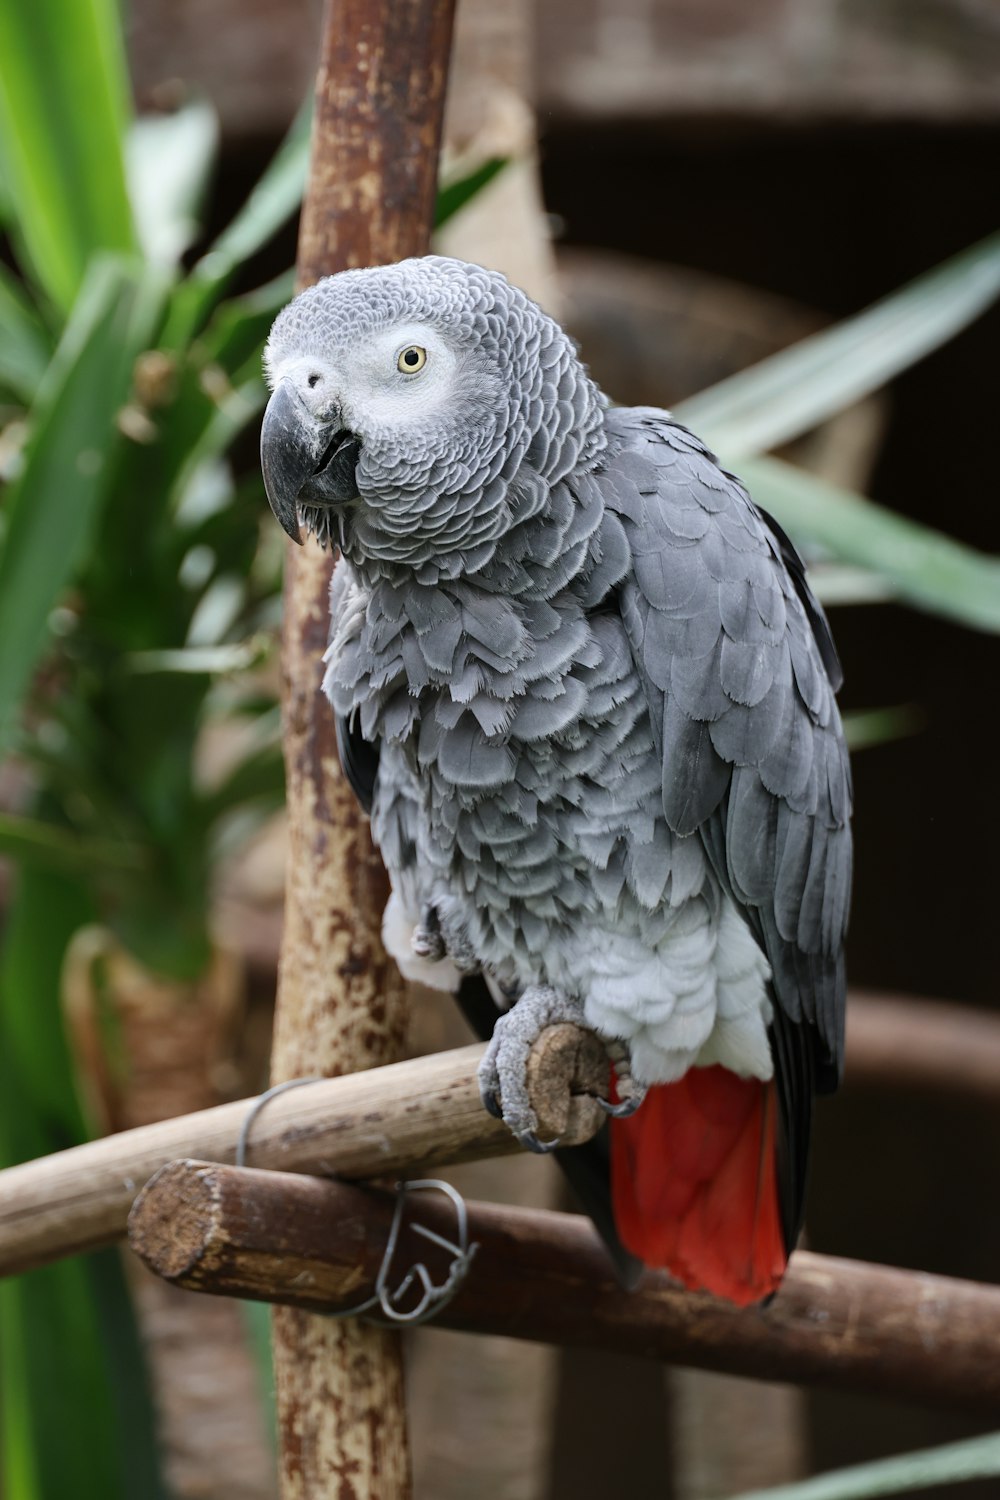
column 695, row 1187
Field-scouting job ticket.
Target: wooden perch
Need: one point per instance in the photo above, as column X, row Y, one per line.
column 537, row 1275
column 398, row 1119
column 906, row 1042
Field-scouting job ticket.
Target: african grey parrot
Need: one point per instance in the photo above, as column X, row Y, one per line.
column 585, row 690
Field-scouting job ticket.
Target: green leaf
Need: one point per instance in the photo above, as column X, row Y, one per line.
column 235, row 336
column 32, row 841
column 277, row 195
column 924, row 567
column 50, row 1353
column 864, row 728
column 25, row 346
column 258, row 778
column 75, row 1410
column 206, row 661
column 80, row 1420
column 214, row 428
column 63, row 108
column 45, row 911
column 272, row 202
column 841, row 583
column 455, row 195
column 168, row 160
column 69, row 463
column 977, row 1458
column 795, row 390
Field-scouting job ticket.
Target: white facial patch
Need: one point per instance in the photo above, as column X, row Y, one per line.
column 378, row 394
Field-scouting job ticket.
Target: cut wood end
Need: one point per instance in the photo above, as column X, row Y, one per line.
column 567, row 1070
column 173, row 1218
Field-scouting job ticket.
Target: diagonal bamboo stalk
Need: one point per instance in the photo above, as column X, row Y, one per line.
column 836, row 1323
column 370, row 198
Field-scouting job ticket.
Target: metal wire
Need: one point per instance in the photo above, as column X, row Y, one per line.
column 258, row 1105
column 434, row 1295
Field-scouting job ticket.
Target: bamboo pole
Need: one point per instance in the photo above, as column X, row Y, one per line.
column 545, row 1276
column 404, row 1118
column 370, row 200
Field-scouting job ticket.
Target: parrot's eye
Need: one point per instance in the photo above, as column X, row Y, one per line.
column 412, row 359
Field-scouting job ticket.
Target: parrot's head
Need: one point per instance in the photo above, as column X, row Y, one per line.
column 414, row 408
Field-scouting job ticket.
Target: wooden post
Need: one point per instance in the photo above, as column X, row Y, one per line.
column 370, row 198
column 545, row 1276
column 487, row 1406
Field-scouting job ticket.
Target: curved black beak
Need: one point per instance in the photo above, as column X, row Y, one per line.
column 291, row 444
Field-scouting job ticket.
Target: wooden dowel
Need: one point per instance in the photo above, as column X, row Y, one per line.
column 930, row 1044
column 537, row 1275
column 396, row 1119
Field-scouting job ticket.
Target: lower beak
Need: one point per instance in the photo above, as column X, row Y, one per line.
column 291, row 445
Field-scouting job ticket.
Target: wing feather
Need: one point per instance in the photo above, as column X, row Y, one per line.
column 740, row 672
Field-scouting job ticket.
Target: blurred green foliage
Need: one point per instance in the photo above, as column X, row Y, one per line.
column 133, row 584
column 910, row 1474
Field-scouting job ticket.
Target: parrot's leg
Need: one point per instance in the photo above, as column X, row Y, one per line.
column 503, row 1071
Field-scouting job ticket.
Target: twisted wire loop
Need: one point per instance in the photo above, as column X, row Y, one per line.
column 434, row 1294
column 388, row 1300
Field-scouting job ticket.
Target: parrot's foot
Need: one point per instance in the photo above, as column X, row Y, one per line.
column 437, row 937
column 503, row 1071
column 630, row 1094
column 428, row 939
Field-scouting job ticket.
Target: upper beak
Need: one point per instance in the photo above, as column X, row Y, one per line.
column 291, row 445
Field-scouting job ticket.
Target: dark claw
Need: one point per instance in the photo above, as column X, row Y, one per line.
column 491, row 1103
column 529, row 1139
column 624, row 1109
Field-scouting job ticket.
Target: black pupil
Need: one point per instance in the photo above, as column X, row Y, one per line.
column 411, row 358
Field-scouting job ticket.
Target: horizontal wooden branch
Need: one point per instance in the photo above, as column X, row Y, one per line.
column 403, row 1118
column 907, row 1042
column 318, row 1245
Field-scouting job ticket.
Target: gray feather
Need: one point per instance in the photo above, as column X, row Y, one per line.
column 749, row 735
